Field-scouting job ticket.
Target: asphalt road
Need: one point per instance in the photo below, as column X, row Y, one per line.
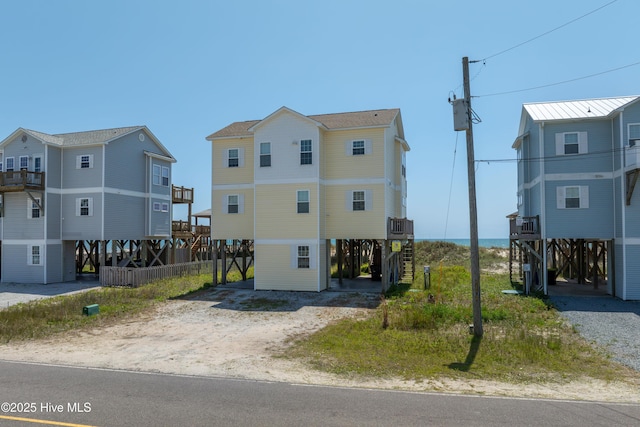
column 97, row 397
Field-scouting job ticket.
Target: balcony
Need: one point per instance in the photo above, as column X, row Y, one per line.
column 182, row 194
column 16, row 181
column 399, row 229
column 524, row 228
column 184, row 230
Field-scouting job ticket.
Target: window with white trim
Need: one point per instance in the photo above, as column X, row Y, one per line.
column 33, row 210
column 306, row 152
column 1, row 162
column 569, row 143
column 634, row 134
column 84, row 206
column 34, row 255
column 358, row 201
column 165, row 176
column 24, row 163
column 160, row 175
column 357, row 147
column 10, row 164
column 165, row 207
column 573, row 197
column 232, row 204
column 156, row 206
column 303, row 257
column 234, row 158
column 265, row 154
column 37, row 164
column 84, row 161
column 302, row 198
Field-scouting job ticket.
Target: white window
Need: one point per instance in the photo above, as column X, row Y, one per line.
column 573, row 197
column 165, row 176
column 520, row 199
column 33, row 208
column 1, row 162
column 37, row 164
column 160, row 175
column 568, row 143
column 234, row 158
column 358, row 200
column 34, row 255
column 156, row 206
column 10, row 165
column 357, row 148
column 233, row 204
column 634, row 134
column 303, row 201
column 306, row 152
column 24, row 163
column 265, row 154
column 165, row 207
column 84, row 206
column 84, row 161
column 303, row 257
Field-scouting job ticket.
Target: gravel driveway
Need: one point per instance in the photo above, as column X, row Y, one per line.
column 609, row 322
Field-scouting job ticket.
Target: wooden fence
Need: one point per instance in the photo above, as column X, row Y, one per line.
column 134, row 277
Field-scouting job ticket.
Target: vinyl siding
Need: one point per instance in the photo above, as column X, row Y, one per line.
column 633, row 274
column 126, row 165
column 344, row 224
column 54, row 263
column 620, row 205
column 276, row 212
column 594, row 222
column 598, row 134
column 16, row 223
column 222, row 175
column 15, row 268
column 339, row 165
column 232, row 226
column 73, row 178
column 82, row 227
column 619, row 270
column 52, row 217
column 160, row 221
column 124, row 217
column 285, row 132
column 273, row 269
column 53, row 173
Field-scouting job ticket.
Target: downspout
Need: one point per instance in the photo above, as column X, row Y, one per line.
column 543, row 210
column 624, row 209
column 102, row 176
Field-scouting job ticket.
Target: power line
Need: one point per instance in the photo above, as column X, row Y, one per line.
column 550, row 31
column 557, row 158
column 453, row 167
column 558, row 83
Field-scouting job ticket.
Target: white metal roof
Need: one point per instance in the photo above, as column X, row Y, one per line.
column 581, row 109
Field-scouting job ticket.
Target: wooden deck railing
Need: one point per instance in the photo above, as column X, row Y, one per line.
column 134, row 277
column 181, row 194
column 21, row 180
column 398, row 228
column 524, row 226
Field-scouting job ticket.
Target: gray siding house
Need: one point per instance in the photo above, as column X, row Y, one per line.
column 578, row 162
column 112, row 184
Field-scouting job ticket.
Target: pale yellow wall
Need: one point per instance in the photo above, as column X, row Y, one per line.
column 276, row 212
column 232, row 226
column 223, row 175
column 273, row 270
column 344, row 224
column 337, row 165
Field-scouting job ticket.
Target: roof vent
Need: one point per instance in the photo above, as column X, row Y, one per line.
column 141, row 137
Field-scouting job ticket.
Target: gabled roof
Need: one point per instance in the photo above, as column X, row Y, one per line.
column 576, row 110
column 92, row 137
column 358, row 119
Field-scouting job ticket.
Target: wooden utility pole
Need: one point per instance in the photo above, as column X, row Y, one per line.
column 473, row 212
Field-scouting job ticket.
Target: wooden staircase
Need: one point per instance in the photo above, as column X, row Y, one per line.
column 408, row 262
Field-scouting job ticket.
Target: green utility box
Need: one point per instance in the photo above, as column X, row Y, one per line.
column 90, row 310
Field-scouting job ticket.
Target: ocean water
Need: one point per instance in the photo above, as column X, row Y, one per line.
column 485, row 243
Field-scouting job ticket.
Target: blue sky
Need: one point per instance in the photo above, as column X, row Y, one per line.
column 186, row 69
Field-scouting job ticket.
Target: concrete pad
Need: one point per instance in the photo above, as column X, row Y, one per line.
column 15, row 293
